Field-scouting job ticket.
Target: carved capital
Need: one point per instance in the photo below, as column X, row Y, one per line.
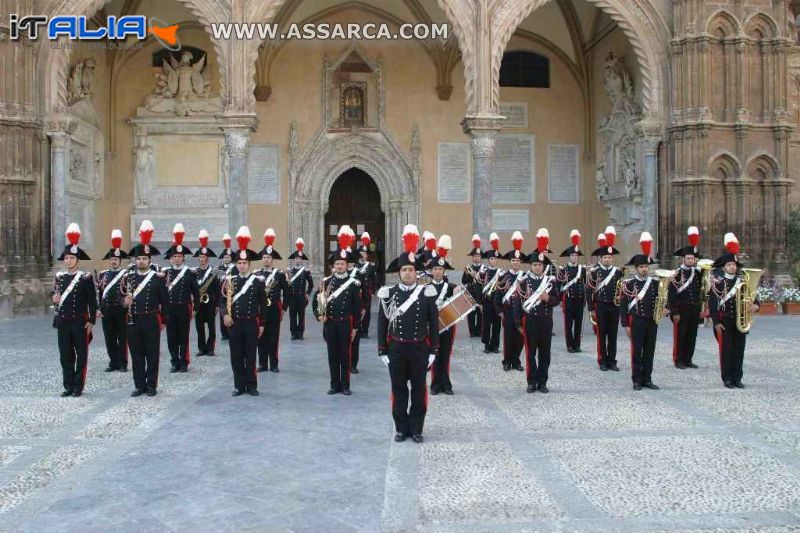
column 237, row 142
column 475, row 124
column 444, row 91
column 59, row 141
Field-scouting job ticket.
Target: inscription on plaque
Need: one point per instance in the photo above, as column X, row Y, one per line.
column 513, row 169
column 263, row 182
column 516, row 114
column 563, row 174
column 509, row 220
column 454, row 172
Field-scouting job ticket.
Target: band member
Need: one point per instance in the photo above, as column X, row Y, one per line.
column 637, row 309
column 440, row 371
column 470, row 280
column 74, row 299
column 369, row 282
column 183, row 295
column 590, row 270
column 226, row 267
column 111, row 309
column 686, row 302
column 146, row 299
column 337, row 304
column 277, row 293
column 347, row 238
column 532, row 316
column 408, row 338
column 208, row 291
column 572, row 281
column 504, row 295
column 300, row 285
column 243, row 307
column 725, row 286
column 601, row 285
column 489, row 278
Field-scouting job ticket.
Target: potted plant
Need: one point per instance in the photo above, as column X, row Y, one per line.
column 791, row 301
column 767, row 300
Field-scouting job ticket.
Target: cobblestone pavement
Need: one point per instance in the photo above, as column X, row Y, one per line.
column 593, row 455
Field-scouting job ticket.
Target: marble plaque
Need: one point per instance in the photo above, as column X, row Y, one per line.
column 187, row 164
column 215, row 221
column 453, row 163
column 516, row 114
column 510, row 220
column 563, row 174
column 81, row 210
column 263, row 182
column 513, row 176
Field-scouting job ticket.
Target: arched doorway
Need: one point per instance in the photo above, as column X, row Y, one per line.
column 355, row 200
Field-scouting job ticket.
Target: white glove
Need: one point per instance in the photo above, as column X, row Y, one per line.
column 431, row 359
column 385, row 359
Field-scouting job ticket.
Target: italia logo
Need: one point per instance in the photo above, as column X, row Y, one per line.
column 77, row 28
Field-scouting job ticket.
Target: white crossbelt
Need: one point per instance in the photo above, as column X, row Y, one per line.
column 641, row 294
column 341, row 289
column 573, row 280
column 177, row 278
column 244, row 288
column 296, row 274
column 686, row 283
column 144, row 283
column 113, row 282
column 607, row 279
column 69, row 289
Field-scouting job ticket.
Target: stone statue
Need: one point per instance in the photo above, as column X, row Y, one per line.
column 79, row 84
column 618, row 178
column 142, row 156
column 183, row 88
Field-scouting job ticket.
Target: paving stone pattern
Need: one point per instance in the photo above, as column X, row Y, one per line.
column 593, row 455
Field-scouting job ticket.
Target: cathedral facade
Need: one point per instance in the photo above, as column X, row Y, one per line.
column 651, row 115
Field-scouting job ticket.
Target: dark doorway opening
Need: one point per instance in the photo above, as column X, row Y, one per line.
column 355, row 200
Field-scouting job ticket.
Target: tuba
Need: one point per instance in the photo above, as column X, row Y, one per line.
column 664, row 279
column 745, row 297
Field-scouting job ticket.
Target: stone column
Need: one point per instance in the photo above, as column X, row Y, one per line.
column 237, row 141
column 482, row 131
column 59, row 172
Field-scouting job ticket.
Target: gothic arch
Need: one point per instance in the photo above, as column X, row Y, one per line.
column 53, row 64
column 329, row 156
column 641, row 23
column 725, row 22
column 724, row 165
column 761, row 26
column 763, row 167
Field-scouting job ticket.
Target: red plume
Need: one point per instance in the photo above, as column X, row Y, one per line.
column 575, row 237
column 430, row 243
column 611, row 236
column 601, row 240
column 203, row 242
column 410, row 238
column 73, row 234
column 494, row 240
column 299, row 245
column 145, row 236
column 227, row 242
column 646, row 243
column 442, row 251
column 344, row 240
column 694, row 236
column 476, row 242
column 116, row 238
column 731, row 243
column 516, row 240
column 541, row 244
column 269, row 237
column 365, row 239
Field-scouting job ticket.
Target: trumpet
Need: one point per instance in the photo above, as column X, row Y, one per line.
column 745, row 297
column 664, row 279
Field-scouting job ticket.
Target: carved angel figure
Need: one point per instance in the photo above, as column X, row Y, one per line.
column 183, row 87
